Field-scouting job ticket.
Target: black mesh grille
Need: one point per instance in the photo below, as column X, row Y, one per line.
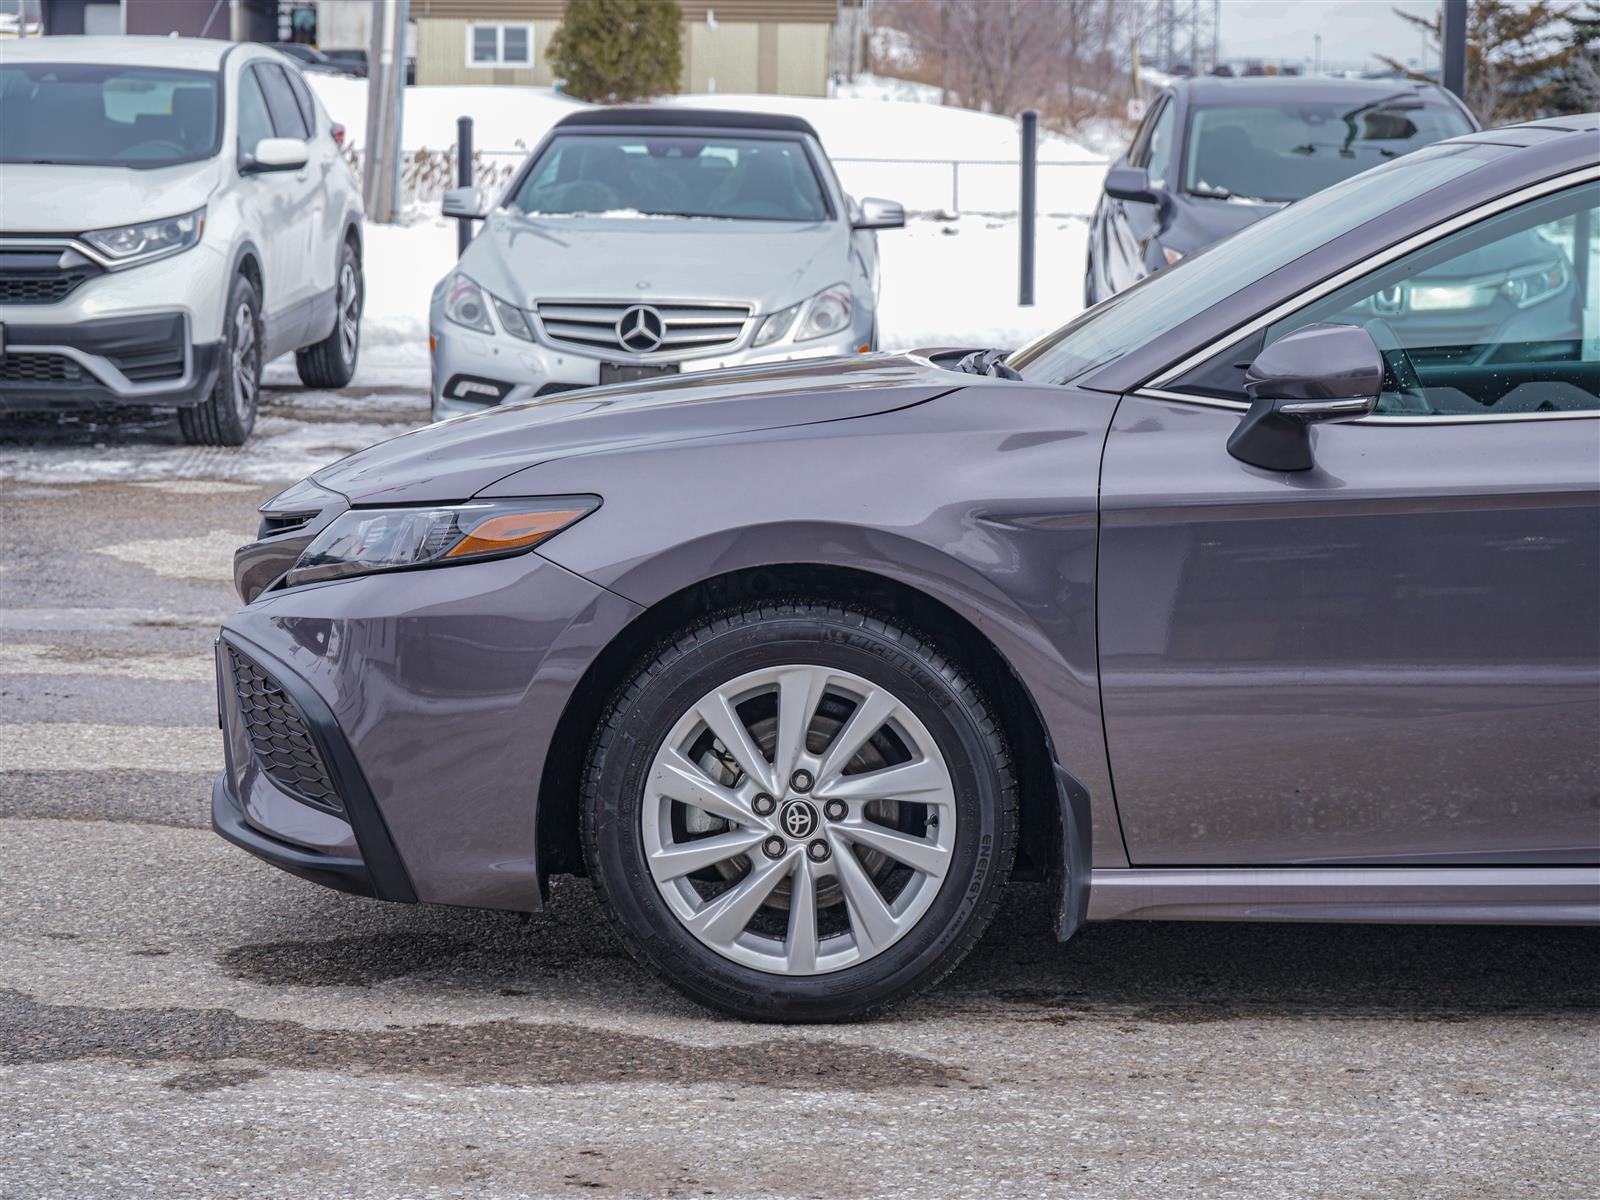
column 40, row 368
column 279, row 737
column 22, row 288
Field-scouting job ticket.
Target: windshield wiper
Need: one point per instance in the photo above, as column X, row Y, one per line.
column 987, row 362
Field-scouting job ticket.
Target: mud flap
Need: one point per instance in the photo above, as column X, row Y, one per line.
column 1074, row 856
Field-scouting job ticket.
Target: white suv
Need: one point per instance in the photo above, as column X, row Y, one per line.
column 174, row 212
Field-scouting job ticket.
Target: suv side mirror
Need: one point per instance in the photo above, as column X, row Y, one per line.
column 873, row 213
column 1315, row 374
column 1132, row 183
column 467, row 202
column 275, row 154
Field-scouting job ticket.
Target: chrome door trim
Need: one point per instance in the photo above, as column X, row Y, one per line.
column 1489, row 895
column 1240, row 406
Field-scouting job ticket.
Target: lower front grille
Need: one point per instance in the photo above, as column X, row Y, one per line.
column 151, row 366
column 42, row 368
column 279, row 737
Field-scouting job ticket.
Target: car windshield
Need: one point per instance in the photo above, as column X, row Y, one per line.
column 633, row 175
column 1165, row 300
column 105, row 115
column 1286, row 152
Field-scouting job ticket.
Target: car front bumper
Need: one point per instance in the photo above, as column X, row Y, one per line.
column 387, row 734
column 466, row 362
column 146, row 336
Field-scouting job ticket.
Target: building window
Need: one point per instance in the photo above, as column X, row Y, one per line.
column 499, row 45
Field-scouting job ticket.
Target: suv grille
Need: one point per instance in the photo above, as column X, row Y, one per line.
column 36, row 275
column 668, row 328
column 151, row 366
column 279, row 736
column 41, row 368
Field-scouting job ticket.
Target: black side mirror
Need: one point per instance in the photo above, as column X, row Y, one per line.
column 1319, row 373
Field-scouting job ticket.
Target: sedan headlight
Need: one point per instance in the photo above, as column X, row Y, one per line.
column 777, row 325
column 130, row 245
column 829, row 313
column 466, row 304
column 366, row 540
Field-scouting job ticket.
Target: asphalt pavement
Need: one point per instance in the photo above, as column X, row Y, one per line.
column 178, row 1019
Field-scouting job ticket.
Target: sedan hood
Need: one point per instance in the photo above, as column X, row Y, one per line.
column 456, row 459
column 45, row 198
column 767, row 264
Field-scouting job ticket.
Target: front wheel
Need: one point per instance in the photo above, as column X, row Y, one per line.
column 228, row 414
column 331, row 363
column 799, row 812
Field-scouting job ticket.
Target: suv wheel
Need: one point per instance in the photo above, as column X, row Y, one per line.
column 799, row 812
column 331, row 362
column 226, row 417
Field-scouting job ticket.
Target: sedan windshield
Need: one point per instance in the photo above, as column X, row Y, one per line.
column 750, row 179
column 1286, row 152
column 105, row 115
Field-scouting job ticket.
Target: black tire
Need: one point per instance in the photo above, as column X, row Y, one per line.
column 226, row 417
column 751, row 638
column 331, row 363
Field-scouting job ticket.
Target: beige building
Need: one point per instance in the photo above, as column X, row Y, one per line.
column 772, row 46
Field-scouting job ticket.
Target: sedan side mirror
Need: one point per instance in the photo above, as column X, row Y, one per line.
column 465, row 202
column 1319, row 373
column 879, row 214
column 275, row 154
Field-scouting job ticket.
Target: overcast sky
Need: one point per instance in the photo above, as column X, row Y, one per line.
column 1353, row 31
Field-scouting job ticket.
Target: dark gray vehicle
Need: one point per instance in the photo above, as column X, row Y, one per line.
column 1237, row 598
column 1214, row 155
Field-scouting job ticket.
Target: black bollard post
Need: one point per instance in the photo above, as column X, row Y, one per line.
column 1028, row 203
column 463, row 178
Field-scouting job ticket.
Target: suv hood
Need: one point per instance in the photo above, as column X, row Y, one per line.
column 46, row 198
column 767, row 264
column 455, row 459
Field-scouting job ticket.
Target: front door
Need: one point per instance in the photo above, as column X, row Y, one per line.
column 1395, row 656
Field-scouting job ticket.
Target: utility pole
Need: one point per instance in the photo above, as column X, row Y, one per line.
column 380, row 183
column 1453, row 48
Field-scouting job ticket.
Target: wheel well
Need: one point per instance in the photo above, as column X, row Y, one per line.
column 251, row 270
column 352, row 238
column 955, row 636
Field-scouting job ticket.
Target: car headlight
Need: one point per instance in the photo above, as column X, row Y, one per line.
column 828, row 313
column 777, row 325
column 466, row 304
column 130, row 245
column 512, row 320
column 366, row 540
column 1528, row 287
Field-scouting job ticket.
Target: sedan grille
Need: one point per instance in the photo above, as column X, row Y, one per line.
column 279, row 736
column 635, row 329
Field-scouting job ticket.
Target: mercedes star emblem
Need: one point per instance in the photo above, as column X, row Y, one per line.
column 641, row 329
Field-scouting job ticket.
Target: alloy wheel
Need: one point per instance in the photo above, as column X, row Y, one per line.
column 349, row 311
column 799, row 820
column 245, row 367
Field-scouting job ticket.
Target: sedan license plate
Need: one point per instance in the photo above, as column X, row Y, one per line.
column 630, row 372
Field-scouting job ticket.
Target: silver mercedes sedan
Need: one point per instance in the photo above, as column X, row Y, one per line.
column 638, row 242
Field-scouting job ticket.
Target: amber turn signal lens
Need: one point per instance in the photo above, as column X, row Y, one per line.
column 514, row 531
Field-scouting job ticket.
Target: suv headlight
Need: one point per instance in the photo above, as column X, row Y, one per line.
column 366, row 540
column 131, row 245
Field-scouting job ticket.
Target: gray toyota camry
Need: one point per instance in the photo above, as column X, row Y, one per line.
column 1267, row 590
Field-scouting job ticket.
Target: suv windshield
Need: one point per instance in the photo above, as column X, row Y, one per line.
column 1287, row 152
column 1163, row 301
column 104, row 115
column 750, row 179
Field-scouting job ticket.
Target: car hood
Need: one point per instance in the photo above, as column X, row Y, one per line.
column 46, row 198
column 456, row 459
column 766, row 264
